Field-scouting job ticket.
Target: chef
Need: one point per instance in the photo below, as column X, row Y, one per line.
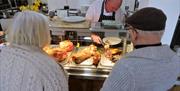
column 104, row 10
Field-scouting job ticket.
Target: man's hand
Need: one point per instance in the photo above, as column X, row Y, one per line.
column 96, row 39
column 1, row 33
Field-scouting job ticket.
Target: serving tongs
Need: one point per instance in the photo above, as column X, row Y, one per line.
column 105, row 44
column 101, row 42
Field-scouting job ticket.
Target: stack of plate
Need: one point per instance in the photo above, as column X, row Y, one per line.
column 73, row 19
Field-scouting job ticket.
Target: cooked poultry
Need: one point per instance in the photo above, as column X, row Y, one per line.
column 58, row 53
column 96, row 58
column 80, row 57
column 113, row 54
column 85, row 53
column 66, row 45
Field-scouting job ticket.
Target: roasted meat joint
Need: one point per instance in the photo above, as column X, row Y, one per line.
column 85, row 55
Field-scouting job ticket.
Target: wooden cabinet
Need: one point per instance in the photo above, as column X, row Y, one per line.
column 85, row 84
column 175, row 88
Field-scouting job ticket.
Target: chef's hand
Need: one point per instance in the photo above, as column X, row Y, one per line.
column 96, row 38
column 1, row 33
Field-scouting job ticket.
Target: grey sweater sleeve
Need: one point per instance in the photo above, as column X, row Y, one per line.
column 120, row 79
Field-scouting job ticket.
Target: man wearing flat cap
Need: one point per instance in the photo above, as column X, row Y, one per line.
column 151, row 66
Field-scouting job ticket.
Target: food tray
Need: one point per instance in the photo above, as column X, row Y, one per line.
column 106, row 62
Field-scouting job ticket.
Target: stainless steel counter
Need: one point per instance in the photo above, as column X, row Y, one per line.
column 87, row 73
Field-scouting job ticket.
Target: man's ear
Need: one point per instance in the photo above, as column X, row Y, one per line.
column 133, row 35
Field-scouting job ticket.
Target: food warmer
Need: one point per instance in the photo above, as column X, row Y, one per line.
column 73, row 48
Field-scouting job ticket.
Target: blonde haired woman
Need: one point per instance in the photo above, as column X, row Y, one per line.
column 24, row 66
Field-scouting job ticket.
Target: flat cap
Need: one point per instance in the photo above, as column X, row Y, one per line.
column 148, row 19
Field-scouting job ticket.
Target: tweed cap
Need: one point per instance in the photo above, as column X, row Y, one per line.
column 148, row 19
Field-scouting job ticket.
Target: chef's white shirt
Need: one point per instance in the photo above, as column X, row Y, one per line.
column 94, row 11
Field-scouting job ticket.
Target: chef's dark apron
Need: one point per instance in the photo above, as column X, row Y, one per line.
column 103, row 17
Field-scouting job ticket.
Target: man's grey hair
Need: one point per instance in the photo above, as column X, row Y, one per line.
column 155, row 33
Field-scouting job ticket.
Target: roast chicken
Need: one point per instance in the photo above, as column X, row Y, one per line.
column 66, row 45
column 90, row 51
column 57, row 53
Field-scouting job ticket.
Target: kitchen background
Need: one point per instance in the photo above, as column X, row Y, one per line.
column 170, row 7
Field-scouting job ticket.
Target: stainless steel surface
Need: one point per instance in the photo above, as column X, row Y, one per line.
column 115, row 32
column 87, row 73
column 177, row 83
column 61, row 31
column 87, row 32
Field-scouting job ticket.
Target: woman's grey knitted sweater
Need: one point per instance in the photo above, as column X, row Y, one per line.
column 30, row 69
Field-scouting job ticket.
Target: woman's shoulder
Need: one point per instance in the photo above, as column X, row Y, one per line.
column 20, row 62
column 27, row 55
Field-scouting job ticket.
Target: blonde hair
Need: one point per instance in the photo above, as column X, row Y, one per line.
column 29, row 28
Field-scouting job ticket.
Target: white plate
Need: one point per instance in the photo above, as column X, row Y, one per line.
column 73, row 19
column 112, row 40
column 88, row 61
